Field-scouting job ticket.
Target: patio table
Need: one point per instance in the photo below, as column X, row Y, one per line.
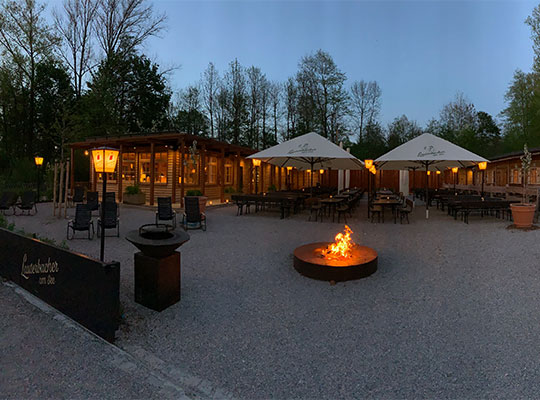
column 390, row 203
column 330, row 204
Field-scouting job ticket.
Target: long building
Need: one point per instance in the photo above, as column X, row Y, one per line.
column 172, row 163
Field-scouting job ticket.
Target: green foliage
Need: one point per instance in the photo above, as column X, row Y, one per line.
column 194, row 192
column 133, row 189
column 230, row 189
column 11, row 227
column 272, row 188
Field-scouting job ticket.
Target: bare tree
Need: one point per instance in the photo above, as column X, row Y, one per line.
column 275, row 95
column 255, row 82
column 291, row 98
column 26, row 41
column 235, row 82
column 122, row 25
column 76, row 31
column 209, row 86
column 365, row 104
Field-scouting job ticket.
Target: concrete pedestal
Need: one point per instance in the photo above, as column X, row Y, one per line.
column 157, row 281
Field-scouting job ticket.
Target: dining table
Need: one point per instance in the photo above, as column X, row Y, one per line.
column 331, row 203
column 389, row 202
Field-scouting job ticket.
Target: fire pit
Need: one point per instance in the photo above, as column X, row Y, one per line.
column 157, row 265
column 340, row 261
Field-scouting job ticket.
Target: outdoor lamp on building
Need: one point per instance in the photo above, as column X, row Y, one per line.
column 104, row 162
column 368, row 163
column 86, row 152
column 39, row 162
column 455, row 170
column 482, row 167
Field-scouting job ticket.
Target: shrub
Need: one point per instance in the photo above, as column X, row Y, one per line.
column 133, row 189
column 272, row 188
column 194, row 192
column 230, row 189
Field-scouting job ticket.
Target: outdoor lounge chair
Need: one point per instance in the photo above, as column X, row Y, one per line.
column 92, row 201
column 28, row 203
column 7, row 201
column 165, row 211
column 78, row 195
column 111, row 218
column 192, row 214
column 82, row 222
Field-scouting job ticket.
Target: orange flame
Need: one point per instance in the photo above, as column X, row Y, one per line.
column 342, row 246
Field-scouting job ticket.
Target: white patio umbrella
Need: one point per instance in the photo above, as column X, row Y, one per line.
column 429, row 152
column 310, row 151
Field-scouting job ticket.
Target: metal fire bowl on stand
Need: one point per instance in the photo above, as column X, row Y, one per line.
column 157, row 241
column 310, row 261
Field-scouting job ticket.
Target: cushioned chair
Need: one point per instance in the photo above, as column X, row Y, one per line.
column 111, row 218
column 28, row 203
column 165, row 211
column 92, row 201
column 192, row 214
column 82, row 222
column 8, row 200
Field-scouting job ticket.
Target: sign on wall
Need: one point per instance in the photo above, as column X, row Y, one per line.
column 84, row 289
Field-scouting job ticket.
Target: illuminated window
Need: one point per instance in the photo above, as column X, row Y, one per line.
column 211, row 171
column 160, row 167
column 128, row 167
column 228, row 174
column 515, row 176
column 191, row 170
column 532, row 176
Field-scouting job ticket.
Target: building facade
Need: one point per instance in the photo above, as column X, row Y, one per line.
column 170, row 164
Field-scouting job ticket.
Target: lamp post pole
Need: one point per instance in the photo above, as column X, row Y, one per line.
column 39, row 162
column 102, row 251
column 37, row 201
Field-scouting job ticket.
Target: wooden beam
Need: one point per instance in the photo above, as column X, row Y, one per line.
column 262, row 178
column 152, row 171
column 203, row 170
column 251, row 176
column 279, row 178
column 222, row 176
column 174, row 178
column 237, row 172
column 182, row 170
column 119, row 171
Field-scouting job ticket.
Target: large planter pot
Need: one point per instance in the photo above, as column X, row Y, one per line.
column 523, row 214
column 137, row 199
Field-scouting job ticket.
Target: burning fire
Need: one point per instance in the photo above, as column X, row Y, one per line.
column 342, row 246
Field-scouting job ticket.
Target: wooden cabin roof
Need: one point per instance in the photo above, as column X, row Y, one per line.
column 514, row 155
column 170, row 138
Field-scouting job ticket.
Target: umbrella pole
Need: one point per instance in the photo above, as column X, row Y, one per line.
column 311, row 175
column 427, row 193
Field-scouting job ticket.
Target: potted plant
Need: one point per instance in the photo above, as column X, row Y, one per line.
column 202, row 199
column 134, row 195
column 523, row 213
column 229, row 191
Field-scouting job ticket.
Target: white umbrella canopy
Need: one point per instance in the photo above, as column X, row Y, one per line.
column 309, row 151
column 430, row 153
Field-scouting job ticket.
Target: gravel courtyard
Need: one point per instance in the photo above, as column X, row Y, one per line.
column 452, row 311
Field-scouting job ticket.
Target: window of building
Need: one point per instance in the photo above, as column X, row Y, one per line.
column 228, row 174
column 211, row 171
column 160, row 167
column 191, row 171
column 533, row 176
column 128, row 167
column 514, row 176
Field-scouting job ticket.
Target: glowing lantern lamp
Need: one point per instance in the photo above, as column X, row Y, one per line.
column 321, row 171
column 482, row 167
column 368, row 164
column 438, row 172
column 39, row 162
column 256, row 162
column 104, row 162
column 455, row 170
column 429, row 173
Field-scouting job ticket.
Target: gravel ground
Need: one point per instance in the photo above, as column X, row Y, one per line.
column 451, row 312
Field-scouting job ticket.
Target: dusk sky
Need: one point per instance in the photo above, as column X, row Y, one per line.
column 421, row 53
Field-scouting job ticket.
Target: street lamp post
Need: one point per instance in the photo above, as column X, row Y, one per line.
column 104, row 162
column 39, row 163
column 482, row 167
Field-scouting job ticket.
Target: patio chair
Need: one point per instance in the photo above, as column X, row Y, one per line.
column 376, row 210
column 8, row 200
column 405, row 210
column 28, row 203
column 92, row 201
column 315, row 206
column 110, row 197
column 82, row 222
column 165, row 211
column 111, row 218
column 342, row 210
column 192, row 214
column 78, row 195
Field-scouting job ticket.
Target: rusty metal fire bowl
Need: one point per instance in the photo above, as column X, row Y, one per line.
column 310, row 261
